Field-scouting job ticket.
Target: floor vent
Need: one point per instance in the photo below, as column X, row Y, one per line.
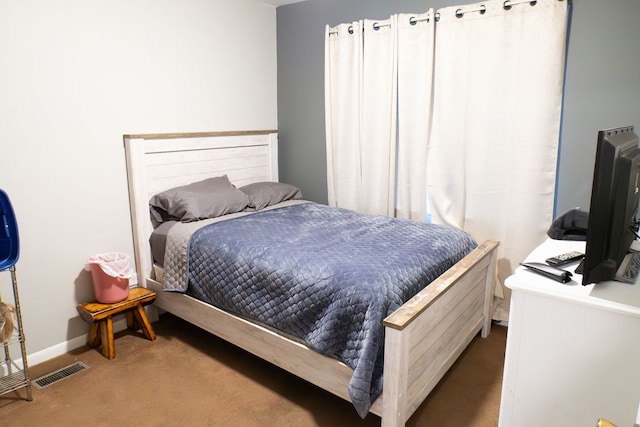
column 59, row 375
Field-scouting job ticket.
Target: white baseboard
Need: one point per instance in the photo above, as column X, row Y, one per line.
column 66, row 346
column 69, row 345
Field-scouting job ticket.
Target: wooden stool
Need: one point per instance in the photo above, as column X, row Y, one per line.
column 99, row 315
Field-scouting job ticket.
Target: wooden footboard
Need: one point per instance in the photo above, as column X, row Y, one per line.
column 425, row 336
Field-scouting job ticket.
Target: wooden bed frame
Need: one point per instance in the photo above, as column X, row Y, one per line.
column 423, row 338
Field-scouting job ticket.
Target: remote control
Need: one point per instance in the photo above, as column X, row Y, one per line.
column 563, row 259
column 554, row 273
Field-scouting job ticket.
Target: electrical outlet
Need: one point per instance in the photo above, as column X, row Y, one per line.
column 133, row 281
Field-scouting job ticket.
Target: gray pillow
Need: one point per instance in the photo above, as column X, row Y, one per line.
column 263, row 194
column 209, row 198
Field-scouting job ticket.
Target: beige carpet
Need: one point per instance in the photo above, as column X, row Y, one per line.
column 189, row 378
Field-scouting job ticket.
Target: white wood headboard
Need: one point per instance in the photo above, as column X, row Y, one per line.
column 157, row 162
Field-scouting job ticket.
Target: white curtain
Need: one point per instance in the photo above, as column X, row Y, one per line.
column 343, row 88
column 478, row 106
column 416, row 43
column 496, row 122
column 360, row 115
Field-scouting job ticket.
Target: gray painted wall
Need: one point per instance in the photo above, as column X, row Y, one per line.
column 602, row 88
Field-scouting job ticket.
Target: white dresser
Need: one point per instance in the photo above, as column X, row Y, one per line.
column 573, row 351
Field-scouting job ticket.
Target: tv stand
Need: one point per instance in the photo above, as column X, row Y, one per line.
column 572, row 351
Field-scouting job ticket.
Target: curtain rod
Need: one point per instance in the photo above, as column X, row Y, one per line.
column 459, row 13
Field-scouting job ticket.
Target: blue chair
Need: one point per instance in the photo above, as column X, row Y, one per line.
column 9, row 240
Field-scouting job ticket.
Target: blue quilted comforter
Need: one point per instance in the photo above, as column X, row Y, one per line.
column 327, row 276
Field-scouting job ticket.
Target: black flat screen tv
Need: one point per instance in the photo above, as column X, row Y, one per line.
column 613, row 222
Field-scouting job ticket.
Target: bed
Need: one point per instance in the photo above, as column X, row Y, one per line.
column 422, row 338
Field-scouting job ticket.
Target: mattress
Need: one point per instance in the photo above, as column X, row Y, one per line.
column 158, row 242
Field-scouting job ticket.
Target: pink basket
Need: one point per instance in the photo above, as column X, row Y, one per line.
column 108, row 289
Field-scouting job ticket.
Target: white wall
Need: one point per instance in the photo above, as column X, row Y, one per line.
column 77, row 75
